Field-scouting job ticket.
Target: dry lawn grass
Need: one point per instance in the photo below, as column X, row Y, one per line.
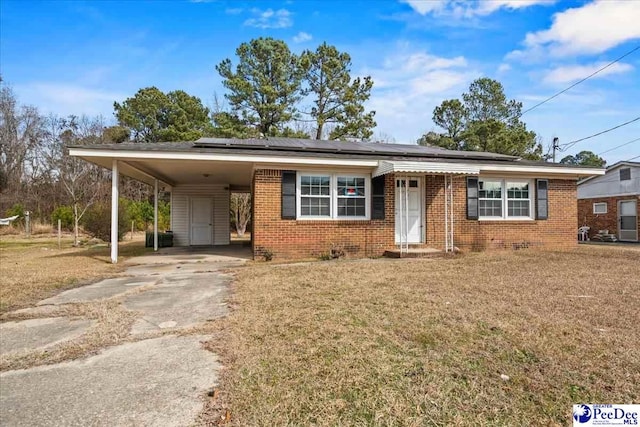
column 411, row 343
column 33, row 269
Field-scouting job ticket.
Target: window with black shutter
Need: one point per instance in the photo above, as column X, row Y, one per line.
column 377, row 197
column 288, row 195
column 472, row 197
column 542, row 198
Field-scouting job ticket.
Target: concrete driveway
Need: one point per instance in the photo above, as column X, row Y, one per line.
column 155, row 372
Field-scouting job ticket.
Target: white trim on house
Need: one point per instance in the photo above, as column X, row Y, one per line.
column 167, row 155
column 333, row 196
column 382, row 166
column 386, row 167
column 600, row 204
column 504, row 198
column 608, row 196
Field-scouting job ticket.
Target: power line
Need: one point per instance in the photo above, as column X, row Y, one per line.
column 633, row 158
column 572, row 143
column 580, row 81
column 618, row 146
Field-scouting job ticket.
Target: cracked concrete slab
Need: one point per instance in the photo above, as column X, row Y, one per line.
column 155, row 382
column 107, row 288
column 39, row 333
column 180, row 301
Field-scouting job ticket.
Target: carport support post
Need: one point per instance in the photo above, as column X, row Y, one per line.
column 114, row 212
column 155, row 215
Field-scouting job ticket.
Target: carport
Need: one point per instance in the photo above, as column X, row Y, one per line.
column 200, row 184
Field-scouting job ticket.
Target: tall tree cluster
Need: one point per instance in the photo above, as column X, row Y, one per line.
column 584, row 158
column 154, row 116
column 483, row 120
column 270, row 86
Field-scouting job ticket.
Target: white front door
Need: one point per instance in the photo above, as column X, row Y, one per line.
column 201, row 221
column 628, row 220
column 409, row 210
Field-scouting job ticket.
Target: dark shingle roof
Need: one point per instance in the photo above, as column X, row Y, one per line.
column 345, row 148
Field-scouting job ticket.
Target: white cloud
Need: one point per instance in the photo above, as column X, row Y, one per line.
column 424, row 7
column 504, row 67
column 66, row 98
column 468, row 8
column 407, row 87
column 489, row 6
column 590, row 29
column 573, row 73
column 269, row 18
column 233, row 10
column 302, row 37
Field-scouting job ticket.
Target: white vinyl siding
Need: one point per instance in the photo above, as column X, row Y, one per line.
column 610, row 185
column 180, row 201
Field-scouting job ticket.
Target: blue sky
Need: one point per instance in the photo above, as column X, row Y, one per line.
column 79, row 57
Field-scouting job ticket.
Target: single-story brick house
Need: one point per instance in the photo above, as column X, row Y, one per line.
column 612, row 201
column 361, row 198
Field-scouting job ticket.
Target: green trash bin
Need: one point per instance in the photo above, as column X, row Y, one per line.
column 165, row 240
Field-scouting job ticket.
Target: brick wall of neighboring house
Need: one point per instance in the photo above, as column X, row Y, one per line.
column 559, row 231
column 608, row 221
column 311, row 238
column 286, row 238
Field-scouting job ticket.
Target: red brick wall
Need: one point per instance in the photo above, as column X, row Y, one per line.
column 559, row 231
column 312, row 238
column 608, row 221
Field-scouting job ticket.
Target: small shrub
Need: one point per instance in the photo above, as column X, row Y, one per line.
column 141, row 212
column 65, row 215
column 267, row 254
column 336, row 252
column 97, row 220
column 17, row 209
column 325, row 256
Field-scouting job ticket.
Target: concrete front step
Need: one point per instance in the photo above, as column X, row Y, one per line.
column 414, row 252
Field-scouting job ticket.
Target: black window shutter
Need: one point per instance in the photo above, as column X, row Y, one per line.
column 472, row 197
column 377, row 197
column 288, row 195
column 542, row 199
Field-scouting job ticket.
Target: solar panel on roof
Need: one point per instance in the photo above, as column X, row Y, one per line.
column 344, row 147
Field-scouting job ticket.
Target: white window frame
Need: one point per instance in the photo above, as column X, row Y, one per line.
column 505, row 199
column 492, row 199
column 600, row 204
column 333, row 204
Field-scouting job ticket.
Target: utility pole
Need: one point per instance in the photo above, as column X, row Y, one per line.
column 555, row 147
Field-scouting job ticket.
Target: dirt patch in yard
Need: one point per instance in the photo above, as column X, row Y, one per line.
column 483, row 339
column 34, row 269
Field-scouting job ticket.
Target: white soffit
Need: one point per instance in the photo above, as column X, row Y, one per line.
column 385, row 167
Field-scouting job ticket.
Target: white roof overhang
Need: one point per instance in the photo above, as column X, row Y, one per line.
column 385, row 167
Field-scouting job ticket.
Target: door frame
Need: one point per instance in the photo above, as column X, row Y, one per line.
column 423, row 214
column 619, row 219
column 211, row 236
